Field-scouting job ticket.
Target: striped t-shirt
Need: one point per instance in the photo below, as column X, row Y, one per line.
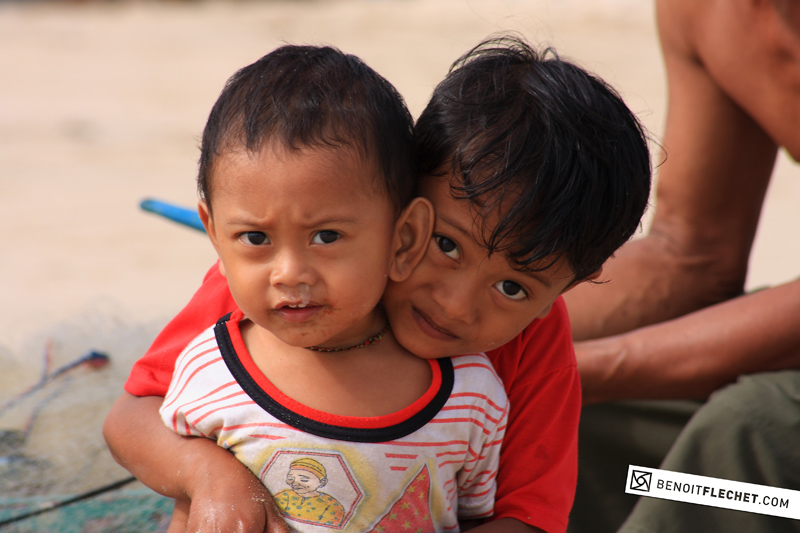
column 420, row 469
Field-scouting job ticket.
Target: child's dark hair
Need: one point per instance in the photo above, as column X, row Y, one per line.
column 552, row 151
column 312, row 97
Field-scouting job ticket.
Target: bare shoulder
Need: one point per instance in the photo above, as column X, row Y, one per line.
column 751, row 51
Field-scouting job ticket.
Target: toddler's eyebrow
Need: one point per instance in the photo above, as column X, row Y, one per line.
column 334, row 220
column 308, row 223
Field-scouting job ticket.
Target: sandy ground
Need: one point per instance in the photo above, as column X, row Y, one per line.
column 102, row 104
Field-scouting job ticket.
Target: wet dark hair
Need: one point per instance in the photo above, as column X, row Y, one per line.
column 313, row 97
column 548, row 150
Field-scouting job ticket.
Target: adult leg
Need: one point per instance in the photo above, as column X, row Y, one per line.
column 611, row 437
column 748, row 431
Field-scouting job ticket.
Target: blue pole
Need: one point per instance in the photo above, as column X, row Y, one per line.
column 181, row 215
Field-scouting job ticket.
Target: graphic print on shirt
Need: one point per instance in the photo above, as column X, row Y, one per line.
column 322, row 488
column 338, row 473
column 412, row 510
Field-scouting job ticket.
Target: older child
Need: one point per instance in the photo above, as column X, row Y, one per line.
column 538, row 172
column 306, row 194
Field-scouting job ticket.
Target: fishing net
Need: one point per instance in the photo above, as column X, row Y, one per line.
column 56, row 474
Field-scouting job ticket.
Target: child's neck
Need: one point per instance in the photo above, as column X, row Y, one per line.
column 374, row 380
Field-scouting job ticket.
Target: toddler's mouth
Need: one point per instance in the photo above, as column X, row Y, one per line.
column 297, row 312
column 288, row 304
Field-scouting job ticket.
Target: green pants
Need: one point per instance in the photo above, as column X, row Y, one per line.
column 748, row 431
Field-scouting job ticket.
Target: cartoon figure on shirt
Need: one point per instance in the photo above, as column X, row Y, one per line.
column 304, row 501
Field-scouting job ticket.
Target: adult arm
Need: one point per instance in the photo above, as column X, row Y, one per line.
column 694, row 355
column 695, row 257
column 224, row 494
column 708, row 199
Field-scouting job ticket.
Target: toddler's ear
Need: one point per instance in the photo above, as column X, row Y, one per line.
column 411, row 235
column 208, row 223
column 205, row 216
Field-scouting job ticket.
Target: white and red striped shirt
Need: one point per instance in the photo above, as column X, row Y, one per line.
column 420, row 469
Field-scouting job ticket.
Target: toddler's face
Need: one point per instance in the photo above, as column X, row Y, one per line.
column 304, row 240
column 459, row 300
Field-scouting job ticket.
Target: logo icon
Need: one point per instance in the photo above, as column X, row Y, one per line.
column 640, row 480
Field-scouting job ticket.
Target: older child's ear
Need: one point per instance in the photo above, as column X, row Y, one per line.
column 591, row 277
column 211, row 230
column 411, row 235
column 596, row 274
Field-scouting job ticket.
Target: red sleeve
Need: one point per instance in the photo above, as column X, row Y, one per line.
column 150, row 375
column 539, row 458
column 538, row 462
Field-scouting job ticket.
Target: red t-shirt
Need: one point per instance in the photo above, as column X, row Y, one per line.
column 539, row 457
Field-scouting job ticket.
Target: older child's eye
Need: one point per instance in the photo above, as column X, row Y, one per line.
column 325, row 237
column 447, row 246
column 254, row 238
column 511, row 289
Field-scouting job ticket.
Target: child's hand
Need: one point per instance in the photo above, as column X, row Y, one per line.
column 243, row 506
column 225, row 495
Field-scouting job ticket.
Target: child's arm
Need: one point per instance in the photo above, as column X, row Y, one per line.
column 539, row 458
column 490, row 461
column 477, row 481
column 224, row 494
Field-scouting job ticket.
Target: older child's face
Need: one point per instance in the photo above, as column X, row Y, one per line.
column 458, row 300
column 304, row 241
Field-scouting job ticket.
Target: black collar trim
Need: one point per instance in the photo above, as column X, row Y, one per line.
column 321, row 429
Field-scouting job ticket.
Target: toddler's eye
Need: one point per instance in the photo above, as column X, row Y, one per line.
column 511, row 289
column 447, row 246
column 325, row 237
column 254, row 238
